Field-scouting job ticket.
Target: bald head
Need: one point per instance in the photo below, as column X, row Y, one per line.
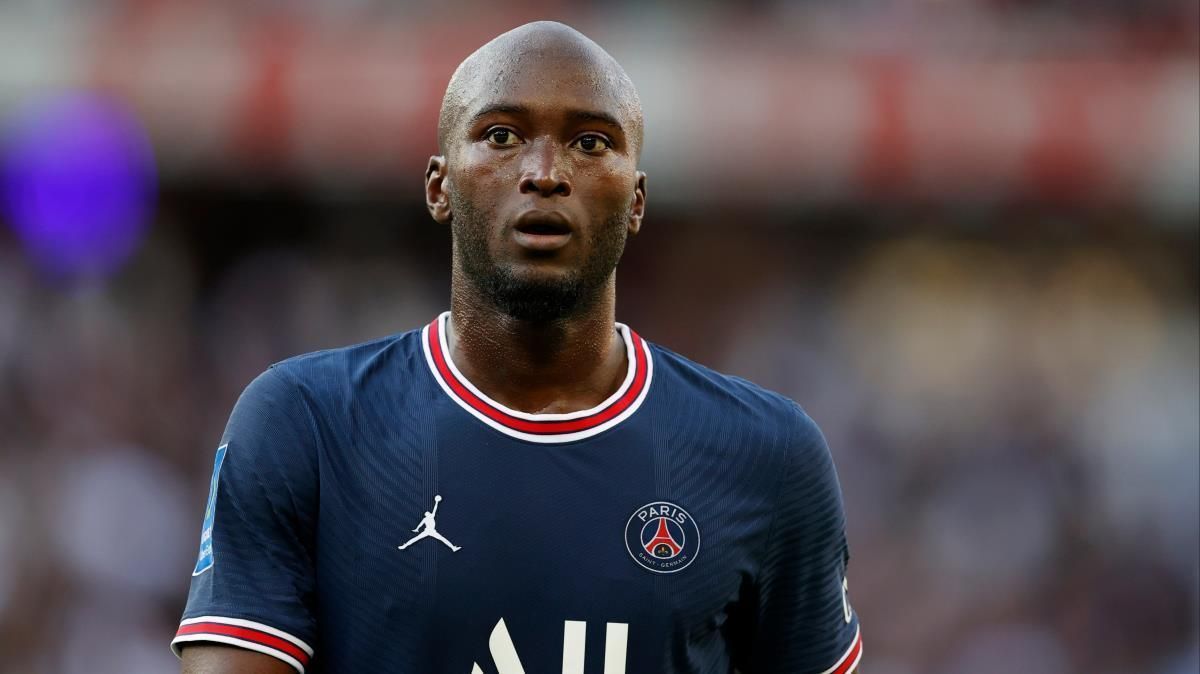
column 555, row 56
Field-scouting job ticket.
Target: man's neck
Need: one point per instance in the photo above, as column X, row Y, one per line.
column 556, row 366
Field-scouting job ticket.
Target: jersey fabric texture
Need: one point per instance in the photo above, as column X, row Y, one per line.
column 372, row 511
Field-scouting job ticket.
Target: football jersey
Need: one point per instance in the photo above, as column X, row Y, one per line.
column 371, row 510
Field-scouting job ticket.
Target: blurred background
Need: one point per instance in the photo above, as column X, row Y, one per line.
column 963, row 235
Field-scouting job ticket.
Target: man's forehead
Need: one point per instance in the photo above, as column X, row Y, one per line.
column 544, row 75
column 543, row 67
column 547, row 89
column 540, row 42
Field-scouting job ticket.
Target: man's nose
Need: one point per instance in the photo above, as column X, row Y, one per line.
column 542, row 171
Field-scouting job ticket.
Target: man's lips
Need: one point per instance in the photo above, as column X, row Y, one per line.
column 542, row 230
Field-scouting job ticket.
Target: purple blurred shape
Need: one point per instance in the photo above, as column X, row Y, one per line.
column 77, row 183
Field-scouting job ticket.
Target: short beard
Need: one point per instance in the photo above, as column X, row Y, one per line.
column 535, row 300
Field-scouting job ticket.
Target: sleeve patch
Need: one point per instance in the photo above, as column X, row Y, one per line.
column 205, row 561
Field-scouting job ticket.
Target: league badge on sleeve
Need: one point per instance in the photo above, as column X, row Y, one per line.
column 205, row 561
column 662, row 537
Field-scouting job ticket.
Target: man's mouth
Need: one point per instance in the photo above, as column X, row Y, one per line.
column 542, row 230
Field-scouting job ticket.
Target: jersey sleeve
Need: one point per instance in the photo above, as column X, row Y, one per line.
column 253, row 583
column 804, row 622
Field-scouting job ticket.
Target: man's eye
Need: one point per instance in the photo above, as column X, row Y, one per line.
column 503, row 137
column 593, row 143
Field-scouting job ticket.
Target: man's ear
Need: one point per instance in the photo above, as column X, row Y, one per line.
column 437, row 199
column 638, row 208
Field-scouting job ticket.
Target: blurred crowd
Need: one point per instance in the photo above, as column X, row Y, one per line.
column 1012, row 411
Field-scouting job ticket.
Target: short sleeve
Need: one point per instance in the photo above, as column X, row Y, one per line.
column 253, row 583
column 804, row 622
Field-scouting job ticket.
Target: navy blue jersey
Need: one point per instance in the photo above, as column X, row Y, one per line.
column 373, row 511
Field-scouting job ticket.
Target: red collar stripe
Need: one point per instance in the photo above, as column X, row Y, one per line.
column 532, row 426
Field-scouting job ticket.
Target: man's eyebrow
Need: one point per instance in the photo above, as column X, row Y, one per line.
column 596, row 116
column 497, row 108
column 517, row 109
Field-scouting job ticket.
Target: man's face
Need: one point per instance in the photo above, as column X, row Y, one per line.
column 542, row 187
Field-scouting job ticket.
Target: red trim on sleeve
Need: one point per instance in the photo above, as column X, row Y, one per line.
column 850, row 660
column 247, row 634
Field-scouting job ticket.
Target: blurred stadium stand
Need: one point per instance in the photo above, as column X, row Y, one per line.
column 964, row 235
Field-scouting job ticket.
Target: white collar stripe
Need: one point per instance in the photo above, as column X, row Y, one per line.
column 541, row 428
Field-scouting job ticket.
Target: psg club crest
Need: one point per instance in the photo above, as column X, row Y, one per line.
column 662, row 537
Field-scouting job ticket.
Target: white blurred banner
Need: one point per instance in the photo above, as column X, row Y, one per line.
column 802, row 108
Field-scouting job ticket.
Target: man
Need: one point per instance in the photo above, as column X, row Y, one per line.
column 619, row 508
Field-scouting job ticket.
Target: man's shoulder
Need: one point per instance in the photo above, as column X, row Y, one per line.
column 389, row 359
column 731, row 396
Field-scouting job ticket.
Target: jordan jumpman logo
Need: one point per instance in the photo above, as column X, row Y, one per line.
column 427, row 528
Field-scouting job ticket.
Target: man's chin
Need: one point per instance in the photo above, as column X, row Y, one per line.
column 538, row 304
column 536, row 296
column 539, row 276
